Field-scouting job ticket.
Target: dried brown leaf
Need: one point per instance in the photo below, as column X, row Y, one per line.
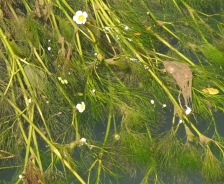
column 32, row 174
column 182, row 74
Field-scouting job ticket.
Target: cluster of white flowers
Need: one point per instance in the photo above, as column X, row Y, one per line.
column 63, row 81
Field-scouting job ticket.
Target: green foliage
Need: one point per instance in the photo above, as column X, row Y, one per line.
column 88, row 102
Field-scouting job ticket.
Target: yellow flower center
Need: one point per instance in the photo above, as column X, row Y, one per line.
column 82, row 107
column 81, row 18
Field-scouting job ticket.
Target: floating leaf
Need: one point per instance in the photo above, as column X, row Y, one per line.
column 211, row 91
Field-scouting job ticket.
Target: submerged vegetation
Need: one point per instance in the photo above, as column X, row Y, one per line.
column 87, row 88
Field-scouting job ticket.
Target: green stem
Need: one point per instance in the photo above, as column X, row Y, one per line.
column 90, row 169
column 75, row 124
column 6, row 43
column 28, row 146
column 192, row 125
column 108, row 128
column 99, row 172
column 37, row 151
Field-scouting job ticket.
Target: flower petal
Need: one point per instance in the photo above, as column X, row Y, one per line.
column 85, row 14
column 188, row 110
column 78, row 13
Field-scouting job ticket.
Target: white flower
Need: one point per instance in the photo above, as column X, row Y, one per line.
column 126, row 27
column 29, row 100
column 188, row 110
column 82, row 141
column 80, row 17
column 107, row 28
column 81, row 107
column 146, row 67
column 49, row 48
column 152, row 101
column 117, row 37
column 180, row 121
column 133, row 59
column 21, row 176
column 164, row 105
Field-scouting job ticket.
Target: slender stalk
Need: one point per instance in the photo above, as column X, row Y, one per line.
column 75, row 124
column 29, row 137
column 99, row 171
column 38, row 158
column 108, row 128
column 90, row 169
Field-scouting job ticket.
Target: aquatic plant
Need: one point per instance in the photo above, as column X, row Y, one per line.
column 87, row 89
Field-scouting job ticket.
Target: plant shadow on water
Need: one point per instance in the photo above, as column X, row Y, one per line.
column 118, row 91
